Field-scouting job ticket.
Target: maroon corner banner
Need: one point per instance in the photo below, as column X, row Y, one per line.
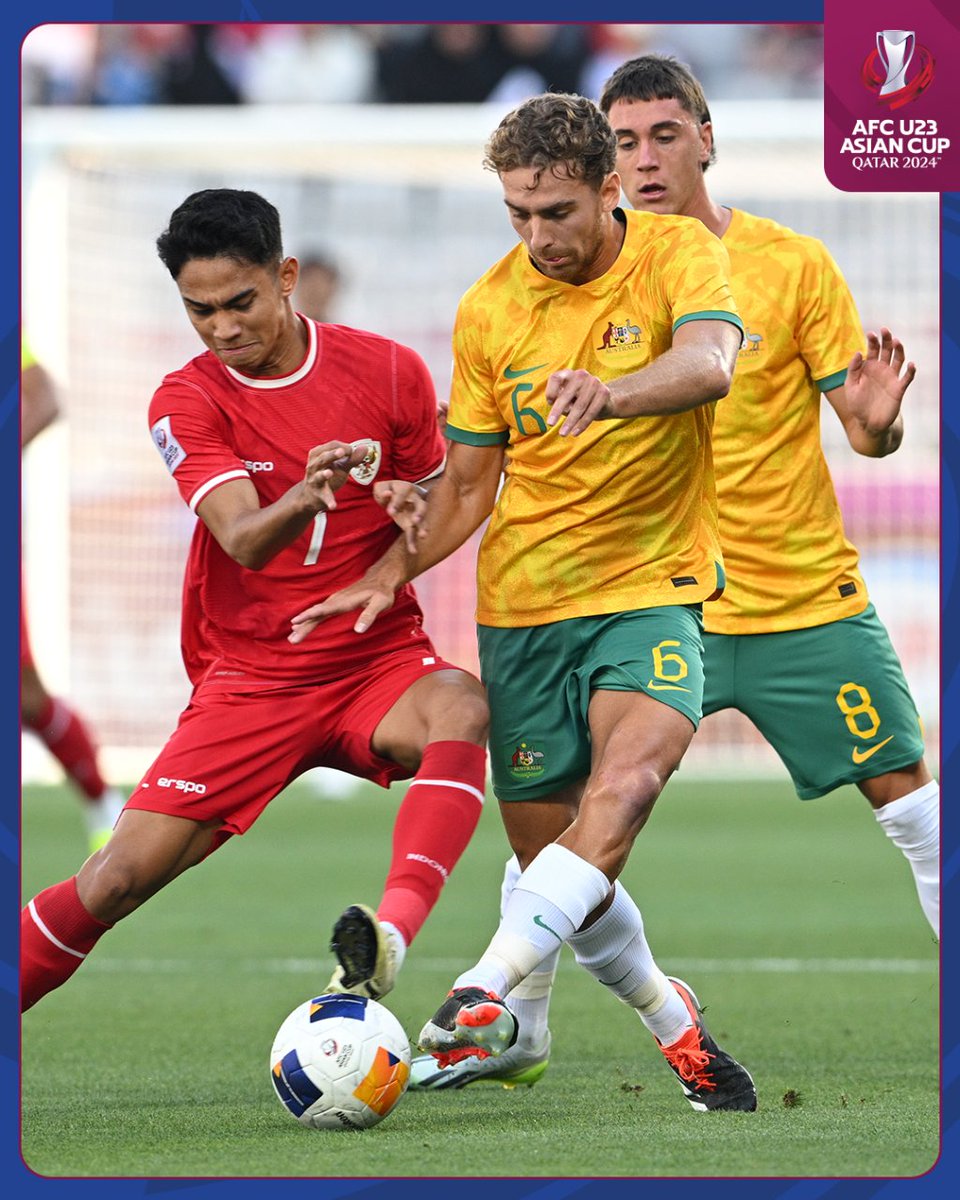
column 891, row 102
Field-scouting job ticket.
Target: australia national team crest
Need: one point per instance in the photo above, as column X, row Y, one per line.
column 526, row 761
column 616, row 333
column 366, row 470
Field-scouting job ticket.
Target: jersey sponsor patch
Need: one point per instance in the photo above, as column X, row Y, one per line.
column 365, row 472
column 172, row 453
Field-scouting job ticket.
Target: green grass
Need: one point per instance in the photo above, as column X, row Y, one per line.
column 796, row 923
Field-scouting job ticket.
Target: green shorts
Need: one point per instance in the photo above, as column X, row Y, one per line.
column 539, row 680
column 832, row 700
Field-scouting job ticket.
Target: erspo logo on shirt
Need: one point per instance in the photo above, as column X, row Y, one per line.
column 170, row 449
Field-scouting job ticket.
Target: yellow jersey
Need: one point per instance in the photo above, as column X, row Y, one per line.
column 789, row 564
column 622, row 516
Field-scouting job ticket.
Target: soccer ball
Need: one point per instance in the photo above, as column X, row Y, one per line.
column 340, row 1062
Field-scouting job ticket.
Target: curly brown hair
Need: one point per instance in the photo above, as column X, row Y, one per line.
column 555, row 130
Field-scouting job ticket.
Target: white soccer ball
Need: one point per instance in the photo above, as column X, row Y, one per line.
column 340, row 1062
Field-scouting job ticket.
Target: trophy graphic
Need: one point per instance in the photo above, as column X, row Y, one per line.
column 895, row 47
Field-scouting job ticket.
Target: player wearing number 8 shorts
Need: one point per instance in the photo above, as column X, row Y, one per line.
column 838, row 687
column 794, row 641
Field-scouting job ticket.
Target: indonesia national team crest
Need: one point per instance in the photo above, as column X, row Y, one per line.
column 365, row 472
column 898, row 70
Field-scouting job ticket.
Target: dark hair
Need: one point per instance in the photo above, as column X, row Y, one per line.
column 658, row 77
column 554, row 129
column 222, row 222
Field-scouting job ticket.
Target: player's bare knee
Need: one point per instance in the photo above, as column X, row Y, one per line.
column 473, row 717
column 112, row 883
column 459, row 712
column 105, row 887
column 624, row 796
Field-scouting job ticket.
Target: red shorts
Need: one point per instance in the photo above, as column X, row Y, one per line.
column 234, row 750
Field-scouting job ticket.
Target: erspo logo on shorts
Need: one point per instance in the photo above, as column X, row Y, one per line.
column 182, row 785
column 170, row 449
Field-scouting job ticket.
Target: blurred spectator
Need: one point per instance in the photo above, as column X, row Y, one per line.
column 57, row 64
column 539, row 58
column 310, row 64
column 471, row 63
column 129, row 61
column 198, row 71
column 256, row 63
column 611, row 45
column 785, row 60
column 317, row 286
column 443, row 64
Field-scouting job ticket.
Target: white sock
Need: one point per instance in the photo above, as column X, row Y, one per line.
column 530, row 999
column 548, row 902
column 615, row 951
column 511, row 873
column 913, row 824
column 399, row 945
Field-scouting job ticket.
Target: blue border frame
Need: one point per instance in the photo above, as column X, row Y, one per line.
column 14, row 27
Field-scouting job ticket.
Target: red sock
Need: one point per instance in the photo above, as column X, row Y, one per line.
column 67, row 738
column 56, row 935
column 434, row 824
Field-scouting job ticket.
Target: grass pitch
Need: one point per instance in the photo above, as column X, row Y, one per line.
column 796, row 923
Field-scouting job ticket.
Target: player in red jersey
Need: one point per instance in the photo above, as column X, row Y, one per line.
column 51, row 718
column 296, row 445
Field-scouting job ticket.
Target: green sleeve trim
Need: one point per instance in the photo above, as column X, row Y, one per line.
column 469, row 438
column 709, row 315
column 835, row 380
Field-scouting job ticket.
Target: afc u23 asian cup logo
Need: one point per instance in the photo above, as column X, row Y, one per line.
column 886, row 69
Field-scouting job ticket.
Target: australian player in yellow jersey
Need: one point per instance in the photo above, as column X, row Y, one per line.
column 601, row 549
column 794, row 642
column 815, row 670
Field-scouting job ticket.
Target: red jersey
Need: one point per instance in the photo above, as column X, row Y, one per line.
column 213, row 424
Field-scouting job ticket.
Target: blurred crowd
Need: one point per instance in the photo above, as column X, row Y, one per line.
column 137, row 64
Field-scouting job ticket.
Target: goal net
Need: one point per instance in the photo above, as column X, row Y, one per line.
column 400, row 200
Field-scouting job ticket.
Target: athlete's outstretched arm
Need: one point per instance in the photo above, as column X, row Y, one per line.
column 252, row 535
column 459, row 501
column 696, row 369
column 868, row 403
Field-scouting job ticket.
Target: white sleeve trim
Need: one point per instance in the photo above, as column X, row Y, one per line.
column 205, row 488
